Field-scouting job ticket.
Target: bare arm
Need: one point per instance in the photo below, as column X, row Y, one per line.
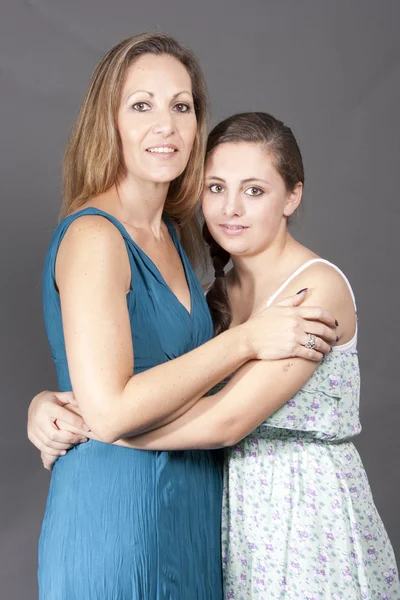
column 92, row 273
column 257, row 390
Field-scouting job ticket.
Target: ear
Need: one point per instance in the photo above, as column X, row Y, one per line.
column 293, row 199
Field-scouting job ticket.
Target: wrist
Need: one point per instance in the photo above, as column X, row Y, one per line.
column 242, row 342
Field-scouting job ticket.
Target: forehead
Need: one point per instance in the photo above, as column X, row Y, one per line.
column 154, row 72
column 240, row 161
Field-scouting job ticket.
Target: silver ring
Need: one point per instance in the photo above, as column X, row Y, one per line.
column 311, row 343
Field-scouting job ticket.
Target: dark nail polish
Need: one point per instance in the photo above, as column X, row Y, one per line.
column 337, row 324
column 337, row 338
column 303, row 290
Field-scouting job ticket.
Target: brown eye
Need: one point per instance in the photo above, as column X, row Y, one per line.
column 215, row 188
column 141, row 107
column 182, row 107
column 254, row 191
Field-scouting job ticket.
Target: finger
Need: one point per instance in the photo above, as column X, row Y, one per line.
column 70, row 417
column 43, row 427
column 57, row 446
column 62, row 436
column 63, row 445
column 307, row 353
column 65, row 397
column 57, row 438
column 320, row 330
column 36, row 441
column 320, row 345
column 73, row 406
column 316, row 313
column 294, row 300
column 48, row 460
column 51, row 437
column 43, row 445
column 49, row 450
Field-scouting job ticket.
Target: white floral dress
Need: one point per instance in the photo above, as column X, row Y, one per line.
column 299, row 521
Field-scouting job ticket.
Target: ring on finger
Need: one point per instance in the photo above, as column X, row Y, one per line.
column 311, row 342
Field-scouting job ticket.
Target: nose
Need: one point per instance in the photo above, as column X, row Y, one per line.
column 164, row 123
column 233, row 206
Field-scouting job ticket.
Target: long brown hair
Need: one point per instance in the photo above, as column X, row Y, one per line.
column 278, row 140
column 93, row 160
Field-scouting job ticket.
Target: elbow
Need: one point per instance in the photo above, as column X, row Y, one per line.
column 106, row 419
column 230, row 440
column 104, row 432
column 103, row 426
column 227, row 434
column 107, row 436
column 234, row 432
column 109, row 429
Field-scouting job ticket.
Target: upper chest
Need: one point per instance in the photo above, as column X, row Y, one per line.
column 166, row 261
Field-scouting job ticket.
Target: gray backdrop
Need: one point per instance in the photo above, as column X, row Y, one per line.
column 330, row 68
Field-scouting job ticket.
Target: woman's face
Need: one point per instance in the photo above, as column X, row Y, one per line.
column 156, row 118
column 245, row 200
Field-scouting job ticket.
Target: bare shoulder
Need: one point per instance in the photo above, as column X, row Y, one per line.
column 328, row 288
column 92, row 229
column 325, row 283
column 93, row 241
column 92, row 234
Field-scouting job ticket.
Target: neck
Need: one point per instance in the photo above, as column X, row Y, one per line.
column 259, row 276
column 141, row 203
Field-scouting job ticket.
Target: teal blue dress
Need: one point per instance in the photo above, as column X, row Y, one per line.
column 123, row 524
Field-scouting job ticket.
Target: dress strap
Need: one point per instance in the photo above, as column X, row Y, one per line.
column 301, row 269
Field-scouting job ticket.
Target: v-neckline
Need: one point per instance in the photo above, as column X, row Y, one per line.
column 151, row 262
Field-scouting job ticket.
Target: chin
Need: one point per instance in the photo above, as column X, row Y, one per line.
column 165, row 175
column 233, row 246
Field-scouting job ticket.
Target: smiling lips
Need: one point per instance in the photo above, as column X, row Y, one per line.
column 165, row 149
column 233, row 229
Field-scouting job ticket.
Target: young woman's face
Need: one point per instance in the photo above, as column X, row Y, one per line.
column 156, row 118
column 245, row 200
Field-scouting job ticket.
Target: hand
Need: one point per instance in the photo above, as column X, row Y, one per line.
column 48, row 460
column 281, row 331
column 55, row 424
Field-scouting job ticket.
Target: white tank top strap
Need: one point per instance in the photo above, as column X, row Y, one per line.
column 301, row 269
column 351, row 344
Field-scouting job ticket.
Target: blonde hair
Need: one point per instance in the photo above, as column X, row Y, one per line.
column 93, row 160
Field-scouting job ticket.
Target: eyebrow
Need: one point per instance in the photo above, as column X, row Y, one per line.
column 244, row 181
column 152, row 95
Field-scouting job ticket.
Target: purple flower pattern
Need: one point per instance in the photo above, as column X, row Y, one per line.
column 299, row 521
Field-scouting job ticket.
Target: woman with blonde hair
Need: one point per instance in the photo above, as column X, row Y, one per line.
column 130, row 334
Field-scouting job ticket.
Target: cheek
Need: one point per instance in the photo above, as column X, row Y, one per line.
column 188, row 130
column 129, row 130
column 269, row 211
column 126, row 142
column 266, row 223
column 210, row 209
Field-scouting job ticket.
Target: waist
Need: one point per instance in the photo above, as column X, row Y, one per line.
column 264, row 432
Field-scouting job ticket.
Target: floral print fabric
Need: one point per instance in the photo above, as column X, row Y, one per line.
column 299, row 521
